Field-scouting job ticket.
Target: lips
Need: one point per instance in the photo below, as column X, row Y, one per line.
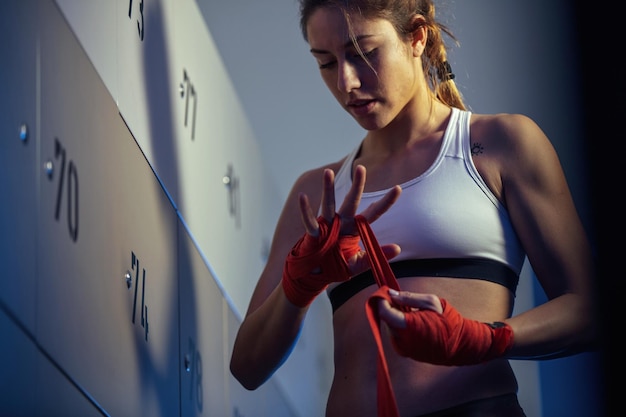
column 361, row 107
column 359, row 103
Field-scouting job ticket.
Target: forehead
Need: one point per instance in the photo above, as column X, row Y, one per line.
column 327, row 28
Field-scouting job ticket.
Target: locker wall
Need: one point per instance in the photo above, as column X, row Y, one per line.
column 124, row 219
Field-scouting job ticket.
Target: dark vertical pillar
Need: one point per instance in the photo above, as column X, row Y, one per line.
column 601, row 43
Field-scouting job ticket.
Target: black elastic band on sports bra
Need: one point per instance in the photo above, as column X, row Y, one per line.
column 483, row 269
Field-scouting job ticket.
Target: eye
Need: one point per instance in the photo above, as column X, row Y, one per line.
column 366, row 55
column 327, row 65
column 370, row 53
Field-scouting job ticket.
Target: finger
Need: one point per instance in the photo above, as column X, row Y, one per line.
column 308, row 217
column 360, row 262
column 377, row 208
column 353, row 197
column 391, row 250
column 328, row 195
column 417, row 300
column 390, row 315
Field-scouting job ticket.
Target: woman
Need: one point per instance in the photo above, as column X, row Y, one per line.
column 456, row 200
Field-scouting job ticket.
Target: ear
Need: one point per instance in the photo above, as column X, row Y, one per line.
column 419, row 35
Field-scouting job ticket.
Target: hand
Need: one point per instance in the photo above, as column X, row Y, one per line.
column 357, row 262
column 392, row 313
column 428, row 329
column 329, row 251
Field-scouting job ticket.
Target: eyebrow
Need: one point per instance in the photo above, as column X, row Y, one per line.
column 348, row 44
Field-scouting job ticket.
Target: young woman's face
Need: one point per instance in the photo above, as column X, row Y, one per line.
column 375, row 91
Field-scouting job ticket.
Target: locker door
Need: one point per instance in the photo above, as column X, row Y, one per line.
column 18, row 158
column 226, row 196
column 18, row 379
column 60, row 396
column 107, row 292
column 202, row 349
column 94, row 23
column 144, row 96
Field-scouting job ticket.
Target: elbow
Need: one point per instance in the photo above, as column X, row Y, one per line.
column 242, row 373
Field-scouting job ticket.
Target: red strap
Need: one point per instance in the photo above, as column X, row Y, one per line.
column 385, row 278
column 380, row 266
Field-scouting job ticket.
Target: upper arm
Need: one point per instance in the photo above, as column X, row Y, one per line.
column 538, row 199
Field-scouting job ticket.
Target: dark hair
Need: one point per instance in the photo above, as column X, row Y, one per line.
column 401, row 13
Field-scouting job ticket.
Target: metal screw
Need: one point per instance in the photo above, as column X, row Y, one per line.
column 187, row 363
column 227, row 179
column 23, row 132
column 49, row 167
column 129, row 279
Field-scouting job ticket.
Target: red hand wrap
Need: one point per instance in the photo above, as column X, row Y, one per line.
column 325, row 254
column 450, row 339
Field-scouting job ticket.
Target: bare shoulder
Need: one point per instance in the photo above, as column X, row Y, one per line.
column 511, row 149
column 513, row 143
column 507, row 132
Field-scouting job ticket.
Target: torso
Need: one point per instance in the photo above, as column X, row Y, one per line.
column 420, row 387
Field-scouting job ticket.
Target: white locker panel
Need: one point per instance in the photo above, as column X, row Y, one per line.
column 177, row 99
column 226, row 198
column 58, row 395
column 94, row 22
column 31, row 384
column 18, row 157
column 18, row 378
column 202, row 350
column 201, row 116
column 107, row 291
column 144, row 79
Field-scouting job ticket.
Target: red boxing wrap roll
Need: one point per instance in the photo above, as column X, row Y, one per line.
column 314, row 262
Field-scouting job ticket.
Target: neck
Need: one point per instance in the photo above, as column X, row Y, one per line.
column 414, row 125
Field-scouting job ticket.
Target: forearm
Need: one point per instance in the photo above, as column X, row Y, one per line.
column 265, row 339
column 560, row 327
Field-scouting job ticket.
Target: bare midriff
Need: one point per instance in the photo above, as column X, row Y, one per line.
column 419, row 387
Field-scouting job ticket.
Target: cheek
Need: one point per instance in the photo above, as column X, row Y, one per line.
column 399, row 78
column 331, row 83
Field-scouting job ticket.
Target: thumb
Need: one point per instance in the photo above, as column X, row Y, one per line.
column 416, row 300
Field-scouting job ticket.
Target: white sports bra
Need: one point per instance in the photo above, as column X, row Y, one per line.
column 447, row 221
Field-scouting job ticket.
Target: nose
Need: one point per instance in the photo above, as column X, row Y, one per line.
column 348, row 77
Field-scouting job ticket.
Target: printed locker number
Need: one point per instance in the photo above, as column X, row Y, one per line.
column 140, row 20
column 188, row 92
column 143, row 308
column 67, row 188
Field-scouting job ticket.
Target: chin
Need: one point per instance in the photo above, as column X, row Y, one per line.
column 370, row 124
